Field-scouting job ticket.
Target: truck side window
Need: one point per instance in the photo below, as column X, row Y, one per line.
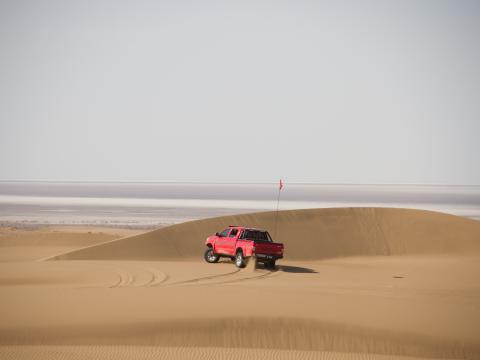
column 233, row 233
column 224, row 233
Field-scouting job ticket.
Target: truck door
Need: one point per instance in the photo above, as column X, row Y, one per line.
column 231, row 242
column 220, row 243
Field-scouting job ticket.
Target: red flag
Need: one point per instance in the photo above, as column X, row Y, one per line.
column 280, row 185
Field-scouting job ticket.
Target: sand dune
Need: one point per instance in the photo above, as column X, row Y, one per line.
column 379, row 284
column 309, row 234
column 24, row 244
column 178, row 353
column 257, row 333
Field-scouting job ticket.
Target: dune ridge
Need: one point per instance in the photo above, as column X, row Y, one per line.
column 179, row 353
column 254, row 333
column 311, row 234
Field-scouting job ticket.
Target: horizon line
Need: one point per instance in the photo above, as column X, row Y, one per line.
column 231, row 183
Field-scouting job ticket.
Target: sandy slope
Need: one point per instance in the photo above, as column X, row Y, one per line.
column 310, row 234
column 410, row 288
column 182, row 353
column 26, row 244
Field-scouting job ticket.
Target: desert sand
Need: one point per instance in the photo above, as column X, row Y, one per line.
column 357, row 283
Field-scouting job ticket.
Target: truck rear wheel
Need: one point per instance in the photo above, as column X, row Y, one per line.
column 270, row 264
column 240, row 260
column 210, row 256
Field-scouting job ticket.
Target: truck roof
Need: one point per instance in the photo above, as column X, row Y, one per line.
column 244, row 228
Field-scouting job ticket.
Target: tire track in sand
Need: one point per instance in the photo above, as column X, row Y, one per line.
column 124, row 278
column 213, row 279
column 158, row 277
column 202, row 279
column 257, row 277
column 128, row 278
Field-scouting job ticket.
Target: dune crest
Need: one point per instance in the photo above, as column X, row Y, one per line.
column 257, row 333
column 311, row 234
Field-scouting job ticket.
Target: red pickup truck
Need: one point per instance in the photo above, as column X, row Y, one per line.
column 239, row 243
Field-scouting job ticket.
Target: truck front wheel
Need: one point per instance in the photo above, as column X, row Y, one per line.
column 210, row 256
column 240, row 260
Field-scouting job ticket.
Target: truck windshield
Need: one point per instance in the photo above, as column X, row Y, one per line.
column 256, row 235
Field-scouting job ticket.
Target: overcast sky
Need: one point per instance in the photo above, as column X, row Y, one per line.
column 242, row 91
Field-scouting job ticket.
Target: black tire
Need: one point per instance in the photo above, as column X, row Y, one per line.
column 270, row 264
column 240, row 260
column 210, row 256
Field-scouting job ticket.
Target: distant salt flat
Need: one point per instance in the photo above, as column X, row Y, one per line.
column 152, row 204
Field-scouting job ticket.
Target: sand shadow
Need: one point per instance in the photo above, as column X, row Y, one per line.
column 226, row 260
column 296, row 269
column 284, row 268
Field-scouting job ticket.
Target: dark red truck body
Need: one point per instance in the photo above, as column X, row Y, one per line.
column 239, row 243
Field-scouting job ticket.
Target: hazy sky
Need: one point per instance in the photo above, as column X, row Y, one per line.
column 314, row 91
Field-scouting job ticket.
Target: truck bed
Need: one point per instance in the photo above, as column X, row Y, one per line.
column 268, row 248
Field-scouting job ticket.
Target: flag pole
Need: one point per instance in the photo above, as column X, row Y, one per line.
column 276, row 212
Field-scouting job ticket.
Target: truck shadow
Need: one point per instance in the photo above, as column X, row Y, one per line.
column 284, row 268
column 296, row 269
